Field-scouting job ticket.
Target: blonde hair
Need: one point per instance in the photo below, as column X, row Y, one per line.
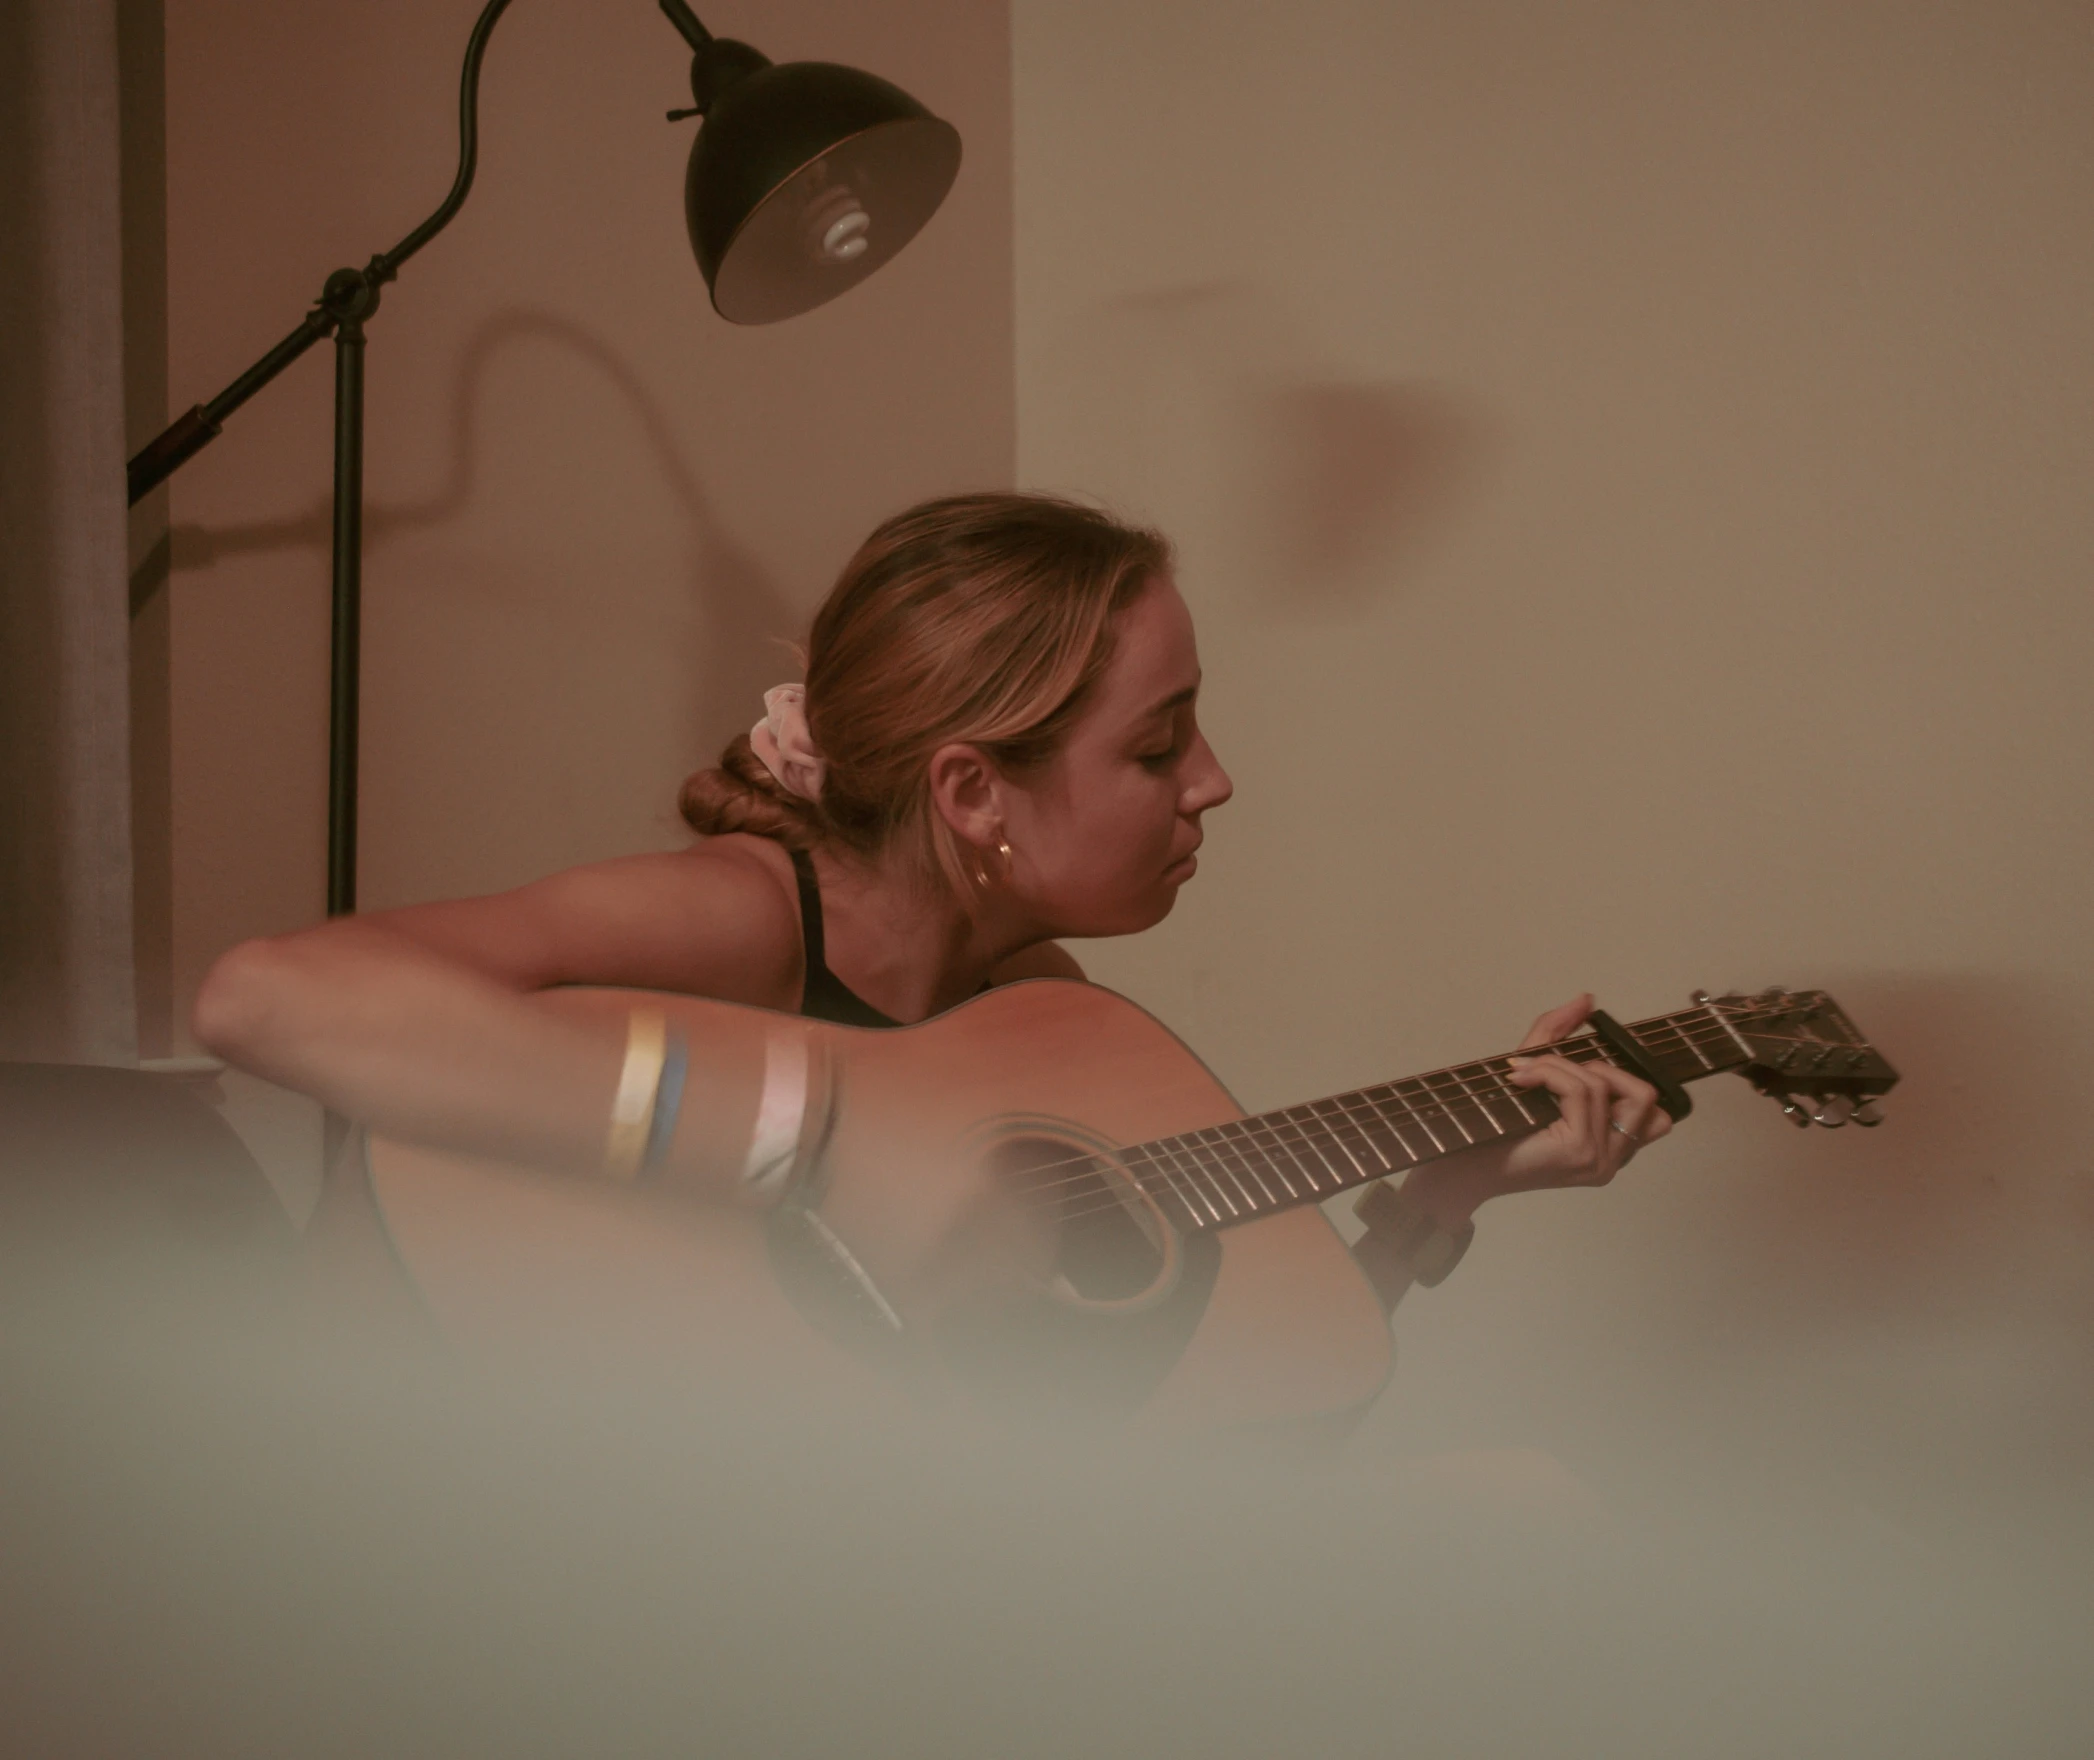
column 982, row 619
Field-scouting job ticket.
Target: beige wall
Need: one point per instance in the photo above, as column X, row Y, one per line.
column 592, row 504
column 1631, row 469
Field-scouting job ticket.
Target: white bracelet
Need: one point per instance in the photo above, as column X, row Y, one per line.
column 639, row 1082
column 774, row 1145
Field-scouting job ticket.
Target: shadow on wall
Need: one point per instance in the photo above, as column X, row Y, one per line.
column 1206, row 400
column 741, row 612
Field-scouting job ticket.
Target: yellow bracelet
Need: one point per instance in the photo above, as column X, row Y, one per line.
column 639, row 1082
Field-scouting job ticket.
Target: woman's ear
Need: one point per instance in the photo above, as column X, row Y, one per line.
column 967, row 790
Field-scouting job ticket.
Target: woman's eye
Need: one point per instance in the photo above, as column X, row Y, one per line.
column 1166, row 756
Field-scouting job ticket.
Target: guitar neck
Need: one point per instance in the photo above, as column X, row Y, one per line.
column 1251, row 1167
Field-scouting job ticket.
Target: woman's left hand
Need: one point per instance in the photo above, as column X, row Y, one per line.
column 1607, row 1114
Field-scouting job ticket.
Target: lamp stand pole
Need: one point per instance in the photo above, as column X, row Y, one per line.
column 345, row 643
column 344, row 305
column 347, row 301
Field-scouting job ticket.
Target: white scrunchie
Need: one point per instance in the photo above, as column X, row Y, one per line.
column 783, row 743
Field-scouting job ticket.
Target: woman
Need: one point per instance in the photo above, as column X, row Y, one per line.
column 996, row 746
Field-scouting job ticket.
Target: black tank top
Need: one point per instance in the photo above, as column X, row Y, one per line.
column 824, row 996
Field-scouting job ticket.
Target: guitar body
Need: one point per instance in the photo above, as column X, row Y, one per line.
column 917, row 1255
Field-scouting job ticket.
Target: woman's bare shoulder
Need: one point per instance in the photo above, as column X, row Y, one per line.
column 719, row 919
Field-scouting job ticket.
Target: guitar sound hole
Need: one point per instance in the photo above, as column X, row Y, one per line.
column 1102, row 1247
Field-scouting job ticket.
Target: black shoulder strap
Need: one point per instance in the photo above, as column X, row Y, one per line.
column 823, row 995
column 810, row 913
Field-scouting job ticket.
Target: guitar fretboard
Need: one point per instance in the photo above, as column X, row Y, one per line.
column 1251, row 1167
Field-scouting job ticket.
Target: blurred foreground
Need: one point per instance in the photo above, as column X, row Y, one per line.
column 228, row 1533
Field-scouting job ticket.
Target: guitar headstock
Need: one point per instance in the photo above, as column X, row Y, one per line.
column 1801, row 1049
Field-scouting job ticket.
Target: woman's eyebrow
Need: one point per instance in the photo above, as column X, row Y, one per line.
column 1172, row 701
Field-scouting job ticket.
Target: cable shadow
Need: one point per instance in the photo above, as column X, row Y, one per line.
column 1350, row 477
column 1207, row 402
column 742, row 611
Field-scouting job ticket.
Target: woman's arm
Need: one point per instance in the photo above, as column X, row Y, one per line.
column 421, row 1023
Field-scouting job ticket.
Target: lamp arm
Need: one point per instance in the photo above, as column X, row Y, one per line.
column 350, row 294
column 687, row 25
column 385, row 267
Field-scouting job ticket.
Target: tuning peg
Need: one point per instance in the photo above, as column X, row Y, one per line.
column 1797, row 1112
column 1833, row 1111
column 1868, row 1115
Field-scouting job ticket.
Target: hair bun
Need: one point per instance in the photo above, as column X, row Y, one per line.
column 741, row 794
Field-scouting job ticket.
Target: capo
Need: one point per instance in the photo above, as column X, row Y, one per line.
column 1632, row 1056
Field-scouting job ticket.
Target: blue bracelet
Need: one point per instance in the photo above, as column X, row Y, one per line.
column 668, row 1100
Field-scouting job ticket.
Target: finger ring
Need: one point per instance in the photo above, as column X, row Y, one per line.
column 1617, row 1125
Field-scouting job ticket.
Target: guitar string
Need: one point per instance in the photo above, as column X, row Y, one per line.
column 1359, row 1109
column 1269, row 1140
column 1254, row 1146
column 1363, row 1108
column 1222, row 1155
column 1263, row 1136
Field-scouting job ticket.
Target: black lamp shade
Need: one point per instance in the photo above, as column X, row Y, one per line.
column 804, row 179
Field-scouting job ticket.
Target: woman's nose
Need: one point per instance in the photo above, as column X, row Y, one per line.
column 1207, row 784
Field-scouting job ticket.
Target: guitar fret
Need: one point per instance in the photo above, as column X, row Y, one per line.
column 1188, row 1182
column 1331, row 1129
column 1169, row 1180
column 1307, row 1140
column 1280, row 1130
column 1396, row 1126
column 1469, row 1092
column 1388, row 1124
column 1359, row 1121
column 1452, row 1117
column 1364, row 1119
column 1210, row 1169
column 1510, row 1094
column 1272, row 1161
column 1213, row 1153
column 1240, row 1144
column 1360, row 1126
column 1411, row 1106
column 1518, row 1096
column 1672, row 1024
column 1482, row 1104
column 1190, row 1174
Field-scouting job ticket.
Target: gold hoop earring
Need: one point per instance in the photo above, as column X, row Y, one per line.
column 984, row 881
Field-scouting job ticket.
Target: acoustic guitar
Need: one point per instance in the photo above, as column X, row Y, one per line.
column 1042, row 1196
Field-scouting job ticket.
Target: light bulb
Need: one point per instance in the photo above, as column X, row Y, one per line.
column 845, row 237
